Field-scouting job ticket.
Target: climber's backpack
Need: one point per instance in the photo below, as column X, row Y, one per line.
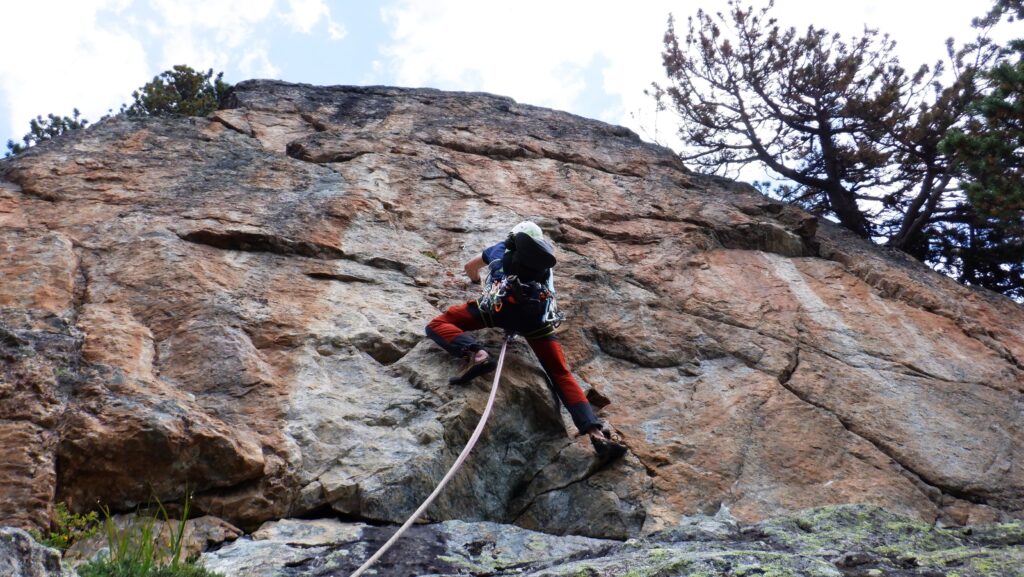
column 522, row 276
column 527, row 258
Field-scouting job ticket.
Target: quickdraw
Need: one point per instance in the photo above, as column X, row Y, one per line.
column 493, row 297
column 554, row 315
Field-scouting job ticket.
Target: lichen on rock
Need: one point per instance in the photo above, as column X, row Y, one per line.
column 843, row 541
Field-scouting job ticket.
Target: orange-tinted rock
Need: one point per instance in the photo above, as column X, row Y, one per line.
column 114, row 338
column 38, row 271
column 28, row 475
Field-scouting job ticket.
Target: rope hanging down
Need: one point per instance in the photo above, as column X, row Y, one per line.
column 451, row 472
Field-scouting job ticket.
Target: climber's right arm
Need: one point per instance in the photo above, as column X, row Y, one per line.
column 473, row 267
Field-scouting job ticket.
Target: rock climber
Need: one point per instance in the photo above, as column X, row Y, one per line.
column 519, row 297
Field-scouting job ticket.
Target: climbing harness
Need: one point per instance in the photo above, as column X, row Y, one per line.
column 511, row 289
column 455, row 467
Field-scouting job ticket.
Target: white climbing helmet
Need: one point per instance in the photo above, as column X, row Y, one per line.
column 530, row 228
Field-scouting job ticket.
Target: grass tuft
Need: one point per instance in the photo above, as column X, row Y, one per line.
column 139, row 550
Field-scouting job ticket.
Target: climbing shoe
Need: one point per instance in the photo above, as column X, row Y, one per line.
column 477, row 363
column 607, row 444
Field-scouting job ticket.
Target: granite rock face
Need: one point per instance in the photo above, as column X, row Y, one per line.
column 235, row 305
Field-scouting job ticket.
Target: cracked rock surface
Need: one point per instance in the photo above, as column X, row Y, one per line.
column 235, row 304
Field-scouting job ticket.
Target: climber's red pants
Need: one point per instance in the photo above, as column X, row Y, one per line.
column 449, row 331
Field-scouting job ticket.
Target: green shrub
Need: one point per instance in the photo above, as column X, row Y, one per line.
column 140, row 550
column 68, row 528
column 180, row 91
column 44, row 129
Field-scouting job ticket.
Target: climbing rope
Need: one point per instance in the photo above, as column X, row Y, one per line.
column 451, row 472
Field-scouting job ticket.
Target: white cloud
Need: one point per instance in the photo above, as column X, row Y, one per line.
column 81, row 62
column 221, row 34
column 93, row 53
column 335, row 30
column 206, row 33
column 535, row 51
column 589, row 57
column 539, row 51
column 303, row 15
column 256, row 64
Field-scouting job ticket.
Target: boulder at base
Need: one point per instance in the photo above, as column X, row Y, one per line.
column 21, row 556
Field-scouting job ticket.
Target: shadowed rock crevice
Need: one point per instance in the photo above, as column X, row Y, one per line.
column 317, row 124
column 81, row 285
column 1002, row 351
column 10, row 340
column 794, row 364
column 590, row 472
column 525, row 494
column 25, row 185
column 261, row 242
column 240, row 127
column 766, row 237
column 300, row 150
column 340, row 277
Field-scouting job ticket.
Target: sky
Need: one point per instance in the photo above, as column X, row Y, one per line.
column 593, row 58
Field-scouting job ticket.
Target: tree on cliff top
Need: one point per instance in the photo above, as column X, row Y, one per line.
column 990, row 145
column 41, row 130
column 856, row 136
column 180, row 91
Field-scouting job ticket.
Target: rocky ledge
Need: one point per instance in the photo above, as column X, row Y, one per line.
column 839, row 541
column 842, row 541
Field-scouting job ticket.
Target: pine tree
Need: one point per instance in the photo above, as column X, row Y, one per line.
column 42, row 130
column 180, row 91
column 853, row 135
column 990, row 149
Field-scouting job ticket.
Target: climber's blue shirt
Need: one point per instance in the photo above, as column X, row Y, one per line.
column 493, row 253
column 492, row 258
